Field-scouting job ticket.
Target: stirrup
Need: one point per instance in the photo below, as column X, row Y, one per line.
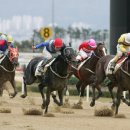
column 112, row 66
column 40, row 69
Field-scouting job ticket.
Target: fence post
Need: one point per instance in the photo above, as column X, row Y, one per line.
column 87, row 93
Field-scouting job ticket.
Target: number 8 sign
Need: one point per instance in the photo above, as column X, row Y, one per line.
column 46, row 32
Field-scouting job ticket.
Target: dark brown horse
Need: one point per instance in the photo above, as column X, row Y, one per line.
column 8, row 64
column 121, row 79
column 86, row 72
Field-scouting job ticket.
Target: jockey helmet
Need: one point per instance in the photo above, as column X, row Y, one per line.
column 127, row 38
column 4, row 37
column 10, row 38
column 58, row 43
column 92, row 44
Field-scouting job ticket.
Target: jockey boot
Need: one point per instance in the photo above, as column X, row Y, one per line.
column 42, row 68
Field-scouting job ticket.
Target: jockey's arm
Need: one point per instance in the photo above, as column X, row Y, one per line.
column 122, row 48
column 41, row 45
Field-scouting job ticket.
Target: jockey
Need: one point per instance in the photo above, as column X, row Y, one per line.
column 5, row 42
column 85, row 49
column 52, row 47
column 123, row 47
column 10, row 41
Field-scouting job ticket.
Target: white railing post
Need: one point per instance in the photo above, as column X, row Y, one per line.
column 87, row 93
column 124, row 94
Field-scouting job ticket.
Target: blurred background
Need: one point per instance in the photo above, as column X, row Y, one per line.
column 73, row 20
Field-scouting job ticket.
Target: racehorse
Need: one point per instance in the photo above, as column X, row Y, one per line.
column 121, row 78
column 86, row 71
column 57, row 74
column 8, row 65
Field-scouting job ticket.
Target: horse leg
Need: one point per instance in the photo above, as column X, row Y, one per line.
column 110, row 88
column 83, row 86
column 1, row 92
column 78, row 86
column 118, row 100
column 13, row 83
column 48, row 93
column 60, row 94
column 54, row 97
column 99, row 91
column 129, row 98
column 93, row 96
column 66, row 94
column 24, row 88
column 127, row 102
column 42, row 94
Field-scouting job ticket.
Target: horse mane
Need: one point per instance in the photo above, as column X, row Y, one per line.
column 58, row 59
column 100, row 43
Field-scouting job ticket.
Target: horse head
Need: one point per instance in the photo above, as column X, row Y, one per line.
column 69, row 55
column 100, row 50
column 13, row 55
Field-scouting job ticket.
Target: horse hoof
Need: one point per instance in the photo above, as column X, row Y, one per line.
column 113, row 107
column 92, row 104
column 12, row 95
column 23, row 96
column 43, row 106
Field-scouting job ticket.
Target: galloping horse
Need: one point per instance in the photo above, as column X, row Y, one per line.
column 86, row 70
column 8, row 65
column 121, row 78
column 57, row 74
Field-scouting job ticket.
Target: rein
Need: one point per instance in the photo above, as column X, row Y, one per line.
column 62, row 77
column 7, row 70
column 96, row 55
column 89, row 70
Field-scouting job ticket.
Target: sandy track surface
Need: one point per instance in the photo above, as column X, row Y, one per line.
column 83, row 119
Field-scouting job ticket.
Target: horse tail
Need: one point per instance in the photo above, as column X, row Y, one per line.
column 24, row 68
column 23, row 82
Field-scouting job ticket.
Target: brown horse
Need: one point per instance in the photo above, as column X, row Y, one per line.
column 121, row 79
column 86, row 72
column 8, row 64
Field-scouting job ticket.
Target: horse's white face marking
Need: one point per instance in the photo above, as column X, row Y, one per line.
column 104, row 50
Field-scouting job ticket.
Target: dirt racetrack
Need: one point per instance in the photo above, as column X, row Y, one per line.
column 82, row 119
